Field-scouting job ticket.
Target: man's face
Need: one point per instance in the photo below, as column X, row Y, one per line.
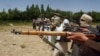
column 65, row 24
column 83, row 22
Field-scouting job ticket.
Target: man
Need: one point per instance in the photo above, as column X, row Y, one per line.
column 34, row 23
column 38, row 23
column 85, row 23
column 89, row 47
column 56, row 21
column 47, row 27
column 61, row 41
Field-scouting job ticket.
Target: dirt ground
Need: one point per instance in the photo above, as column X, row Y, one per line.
column 22, row 45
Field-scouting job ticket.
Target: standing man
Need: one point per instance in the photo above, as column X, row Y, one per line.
column 61, row 41
column 34, row 23
column 56, row 21
column 85, row 23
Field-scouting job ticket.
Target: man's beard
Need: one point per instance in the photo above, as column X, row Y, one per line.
column 83, row 24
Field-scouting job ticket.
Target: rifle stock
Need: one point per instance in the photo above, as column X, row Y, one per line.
column 52, row 33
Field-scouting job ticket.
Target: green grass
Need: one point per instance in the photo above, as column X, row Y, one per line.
column 7, row 23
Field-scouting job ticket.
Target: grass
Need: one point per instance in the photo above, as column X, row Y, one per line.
column 7, row 23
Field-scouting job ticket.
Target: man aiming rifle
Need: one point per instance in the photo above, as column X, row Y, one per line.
column 85, row 26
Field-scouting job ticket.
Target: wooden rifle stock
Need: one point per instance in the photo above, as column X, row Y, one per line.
column 52, row 33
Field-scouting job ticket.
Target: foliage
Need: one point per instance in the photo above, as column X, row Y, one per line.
column 34, row 11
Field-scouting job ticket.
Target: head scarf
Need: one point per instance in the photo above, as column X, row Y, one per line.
column 85, row 20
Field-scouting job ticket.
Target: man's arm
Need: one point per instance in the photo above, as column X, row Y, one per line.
column 83, row 39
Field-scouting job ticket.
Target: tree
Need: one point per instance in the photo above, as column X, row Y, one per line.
column 48, row 13
column 15, row 13
column 42, row 11
column 3, row 15
column 77, row 15
column 30, row 12
column 37, row 12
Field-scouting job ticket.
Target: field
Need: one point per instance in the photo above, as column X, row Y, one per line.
column 22, row 45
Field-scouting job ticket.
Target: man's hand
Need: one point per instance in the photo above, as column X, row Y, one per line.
column 85, row 30
column 77, row 36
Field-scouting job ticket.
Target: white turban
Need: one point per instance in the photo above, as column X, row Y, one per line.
column 86, row 17
column 66, row 21
column 85, row 20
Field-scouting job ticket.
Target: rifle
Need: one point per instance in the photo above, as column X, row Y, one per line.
column 52, row 33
